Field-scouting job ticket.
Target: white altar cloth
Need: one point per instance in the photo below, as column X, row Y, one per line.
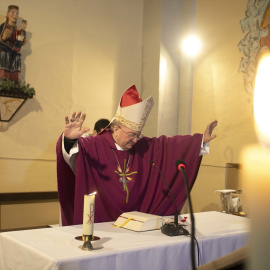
column 218, row 234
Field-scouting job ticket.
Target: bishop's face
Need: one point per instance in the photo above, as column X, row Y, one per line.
column 125, row 137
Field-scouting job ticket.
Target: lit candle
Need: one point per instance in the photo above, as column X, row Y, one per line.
column 256, row 172
column 88, row 215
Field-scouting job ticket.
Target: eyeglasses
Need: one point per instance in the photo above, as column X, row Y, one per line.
column 133, row 136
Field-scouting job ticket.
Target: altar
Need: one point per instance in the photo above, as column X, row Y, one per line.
column 218, row 234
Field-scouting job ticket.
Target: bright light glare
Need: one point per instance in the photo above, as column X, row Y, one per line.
column 191, row 46
column 262, row 101
column 162, row 69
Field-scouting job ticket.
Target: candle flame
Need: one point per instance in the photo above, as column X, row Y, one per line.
column 262, row 101
column 94, row 193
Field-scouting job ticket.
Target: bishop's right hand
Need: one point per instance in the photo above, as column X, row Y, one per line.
column 73, row 128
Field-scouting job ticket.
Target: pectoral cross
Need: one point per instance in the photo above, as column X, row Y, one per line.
column 124, row 181
column 124, row 177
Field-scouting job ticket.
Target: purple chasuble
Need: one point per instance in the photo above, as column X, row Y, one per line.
column 97, row 169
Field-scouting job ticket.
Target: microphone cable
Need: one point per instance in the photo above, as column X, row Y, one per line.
column 198, row 249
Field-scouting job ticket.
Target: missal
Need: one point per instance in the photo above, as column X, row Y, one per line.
column 138, row 221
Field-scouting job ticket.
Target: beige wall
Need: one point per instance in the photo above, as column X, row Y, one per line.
column 219, row 94
column 28, row 215
column 81, row 55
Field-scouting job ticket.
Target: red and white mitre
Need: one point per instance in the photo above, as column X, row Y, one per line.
column 132, row 111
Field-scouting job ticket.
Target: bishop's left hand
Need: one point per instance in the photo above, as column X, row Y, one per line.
column 208, row 136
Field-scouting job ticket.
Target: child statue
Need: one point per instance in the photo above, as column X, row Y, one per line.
column 21, row 37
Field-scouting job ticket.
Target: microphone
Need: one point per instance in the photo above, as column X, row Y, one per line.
column 179, row 163
column 172, row 228
column 180, row 166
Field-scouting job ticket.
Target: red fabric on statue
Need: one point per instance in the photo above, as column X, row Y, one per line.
column 97, row 167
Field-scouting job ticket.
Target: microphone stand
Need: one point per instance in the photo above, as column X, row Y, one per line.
column 172, row 228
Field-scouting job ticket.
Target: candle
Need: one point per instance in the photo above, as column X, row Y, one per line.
column 88, row 215
column 256, row 173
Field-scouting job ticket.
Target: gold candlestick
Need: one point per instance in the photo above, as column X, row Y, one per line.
column 87, row 245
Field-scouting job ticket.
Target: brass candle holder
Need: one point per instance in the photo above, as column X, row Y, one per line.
column 87, row 239
column 87, row 245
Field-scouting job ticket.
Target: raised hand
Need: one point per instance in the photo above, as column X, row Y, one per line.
column 207, row 136
column 73, row 128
